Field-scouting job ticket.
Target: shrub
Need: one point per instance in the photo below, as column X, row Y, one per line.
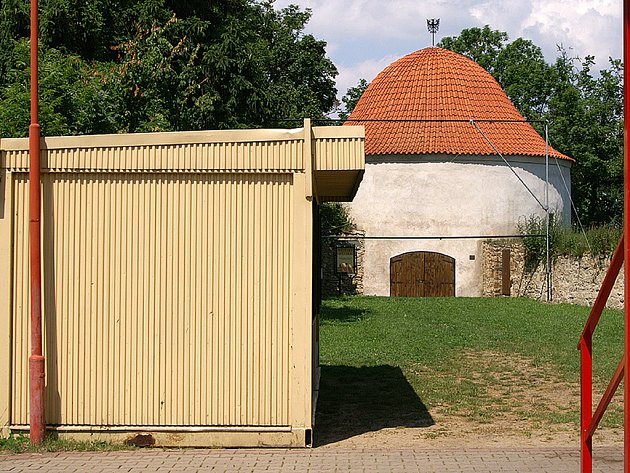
column 599, row 241
column 334, row 218
column 534, row 230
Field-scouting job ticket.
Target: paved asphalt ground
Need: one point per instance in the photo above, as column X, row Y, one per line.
column 522, row 460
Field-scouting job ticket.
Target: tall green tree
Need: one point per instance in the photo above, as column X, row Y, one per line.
column 154, row 65
column 528, row 80
column 351, row 98
column 586, row 122
column 584, row 109
column 482, row 45
column 76, row 97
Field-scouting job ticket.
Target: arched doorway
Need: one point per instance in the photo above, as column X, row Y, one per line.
column 422, row 274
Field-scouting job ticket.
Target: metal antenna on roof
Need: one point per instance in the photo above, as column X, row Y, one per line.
column 433, row 25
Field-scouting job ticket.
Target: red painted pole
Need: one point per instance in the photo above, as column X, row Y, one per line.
column 586, row 401
column 604, row 402
column 36, row 360
column 626, row 230
column 604, row 292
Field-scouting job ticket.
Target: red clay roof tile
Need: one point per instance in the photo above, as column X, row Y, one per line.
column 422, row 91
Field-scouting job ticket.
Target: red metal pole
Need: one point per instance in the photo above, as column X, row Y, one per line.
column 604, row 292
column 36, row 360
column 626, row 230
column 586, row 404
column 604, row 402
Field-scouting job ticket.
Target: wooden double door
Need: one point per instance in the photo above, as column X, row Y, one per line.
column 422, row 274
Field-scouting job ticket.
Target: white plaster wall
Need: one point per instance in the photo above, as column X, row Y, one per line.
column 437, row 196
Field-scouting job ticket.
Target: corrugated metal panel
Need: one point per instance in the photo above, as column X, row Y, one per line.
column 161, row 138
column 166, row 299
column 335, row 154
column 13, row 159
column 336, row 148
column 223, row 157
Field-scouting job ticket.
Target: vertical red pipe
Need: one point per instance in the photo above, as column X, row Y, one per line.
column 586, row 398
column 626, row 225
column 36, row 360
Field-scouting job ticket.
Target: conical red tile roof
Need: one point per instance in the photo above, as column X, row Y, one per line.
column 434, row 86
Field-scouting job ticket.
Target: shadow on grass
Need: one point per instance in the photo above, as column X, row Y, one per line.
column 353, row 401
column 343, row 314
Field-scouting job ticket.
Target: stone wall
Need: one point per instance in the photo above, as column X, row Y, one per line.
column 574, row 280
column 336, row 284
column 492, row 266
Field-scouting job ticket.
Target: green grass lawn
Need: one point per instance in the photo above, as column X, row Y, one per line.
column 407, row 362
column 479, row 359
column 21, row 444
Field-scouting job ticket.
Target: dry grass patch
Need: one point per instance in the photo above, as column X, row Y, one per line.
column 472, row 370
column 501, row 398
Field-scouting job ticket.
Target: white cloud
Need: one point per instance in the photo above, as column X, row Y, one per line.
column 589, row 27
column 501, row 15
column 585, row 26
column 349, row 75
column 375, row 20
column 364, row 36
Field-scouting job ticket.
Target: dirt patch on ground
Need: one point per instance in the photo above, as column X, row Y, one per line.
column 454, row 433
column 512, row 402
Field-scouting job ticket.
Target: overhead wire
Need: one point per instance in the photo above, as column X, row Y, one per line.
column 577, row 216
column 407, row 120
column 496, row 150
column 442, row 237
column 474, row 122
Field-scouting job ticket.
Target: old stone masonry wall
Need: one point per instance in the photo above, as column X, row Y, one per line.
column 575, row 280
column 334, row 284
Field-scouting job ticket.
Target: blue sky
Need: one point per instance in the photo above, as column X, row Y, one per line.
column 364, row 36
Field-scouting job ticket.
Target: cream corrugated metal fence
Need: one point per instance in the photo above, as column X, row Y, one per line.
column 166, row 299
column 170, row 274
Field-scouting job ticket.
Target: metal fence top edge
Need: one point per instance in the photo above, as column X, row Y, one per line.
column 433, row 237
column 183, row 138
